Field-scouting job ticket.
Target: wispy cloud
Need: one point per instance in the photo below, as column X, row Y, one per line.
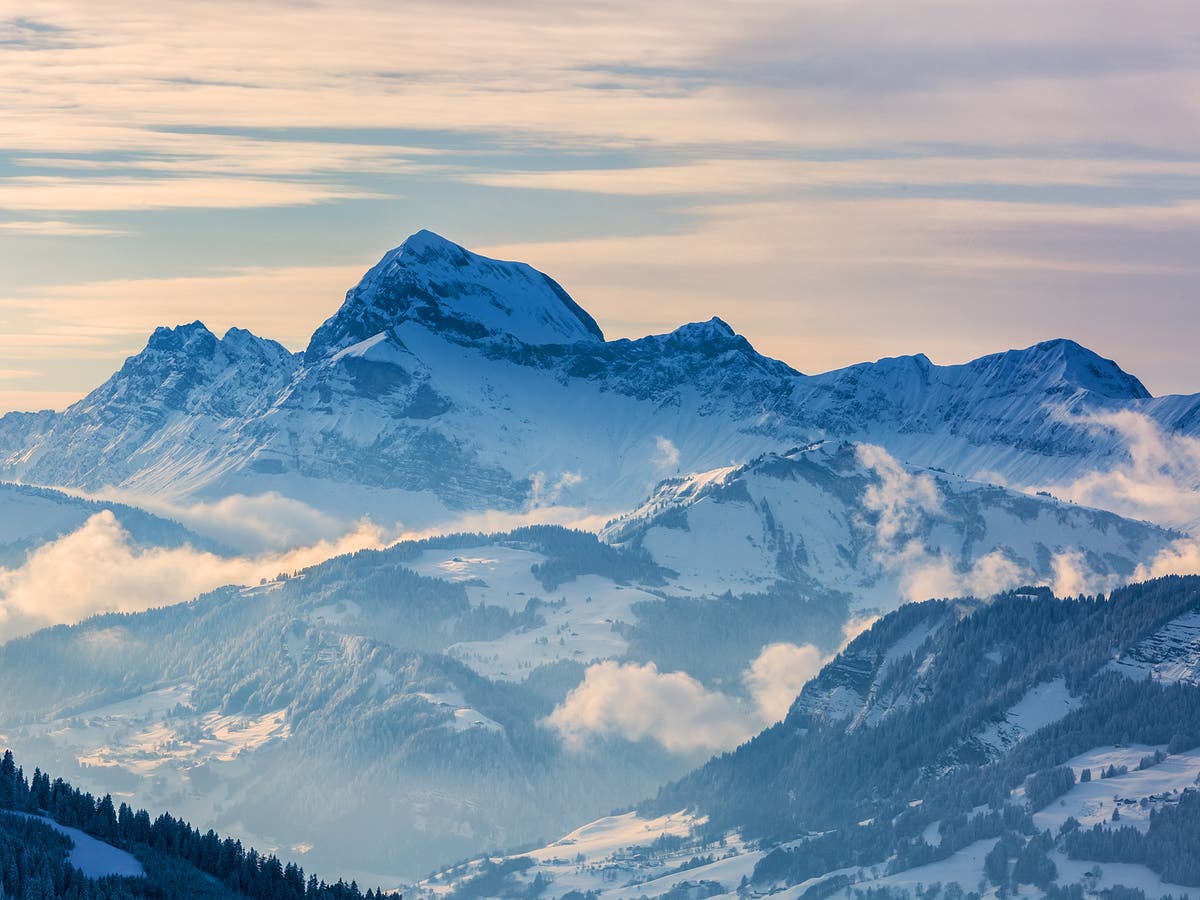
column 50, row 193
column 1156, row 475
column 1008, row 164
column 749, row 176
column 903, row 504
column 59, row 228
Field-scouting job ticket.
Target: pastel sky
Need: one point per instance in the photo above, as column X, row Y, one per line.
column 839, row 180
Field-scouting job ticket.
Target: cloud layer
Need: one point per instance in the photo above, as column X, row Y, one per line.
column 1156, row 479
column 98, row 568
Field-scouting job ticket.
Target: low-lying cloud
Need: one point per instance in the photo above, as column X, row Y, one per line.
column 1158, row 479
column 904, row 504
column 99, row 568
column 638, row 702
column 248, row 523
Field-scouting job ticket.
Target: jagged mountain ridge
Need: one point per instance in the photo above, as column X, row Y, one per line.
column 448, row 381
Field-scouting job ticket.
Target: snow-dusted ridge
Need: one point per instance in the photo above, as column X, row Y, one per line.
column 449, row 382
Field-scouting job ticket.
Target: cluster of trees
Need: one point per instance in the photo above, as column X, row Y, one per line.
column 1045, row 787
column 1015, row 860
column 34, row 865
column 41, row 861
column 1169, row 846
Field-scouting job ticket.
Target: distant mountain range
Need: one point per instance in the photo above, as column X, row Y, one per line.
column 423, row 679
column 448, row 381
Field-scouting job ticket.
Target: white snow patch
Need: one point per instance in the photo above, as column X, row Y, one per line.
column 93, row 857
column 1043, row 705
column 1093, row 802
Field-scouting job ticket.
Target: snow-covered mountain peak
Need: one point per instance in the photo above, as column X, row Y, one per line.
column 716, row 326
column 715, row 335
column 463, row 296
column 194, row 337
column 1064, row 363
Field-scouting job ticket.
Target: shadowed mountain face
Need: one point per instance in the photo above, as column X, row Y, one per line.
column 448, row 381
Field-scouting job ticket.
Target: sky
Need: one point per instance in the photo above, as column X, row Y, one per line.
column 840, row 181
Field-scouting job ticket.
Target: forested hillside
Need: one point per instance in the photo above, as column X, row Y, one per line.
column 37, row 863
column 957, row 746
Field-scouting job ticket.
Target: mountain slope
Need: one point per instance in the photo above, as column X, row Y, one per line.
column 884, row 776
column 852, row 519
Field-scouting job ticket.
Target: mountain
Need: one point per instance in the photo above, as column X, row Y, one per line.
column 166, row 419
column 1020, row 414
column 956, row 746
column 852, row 519
column 449, row 382
column 424, row 680
column 467, row 297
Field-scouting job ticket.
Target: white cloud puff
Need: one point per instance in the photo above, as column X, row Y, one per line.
column 639, row 702
column 99, row 568
column 1158, row 479
column 903, row 502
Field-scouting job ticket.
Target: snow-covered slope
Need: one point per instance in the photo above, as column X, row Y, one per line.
column 448, row 381
column 1171, row 654
column 93, row 857
column 852, row 519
